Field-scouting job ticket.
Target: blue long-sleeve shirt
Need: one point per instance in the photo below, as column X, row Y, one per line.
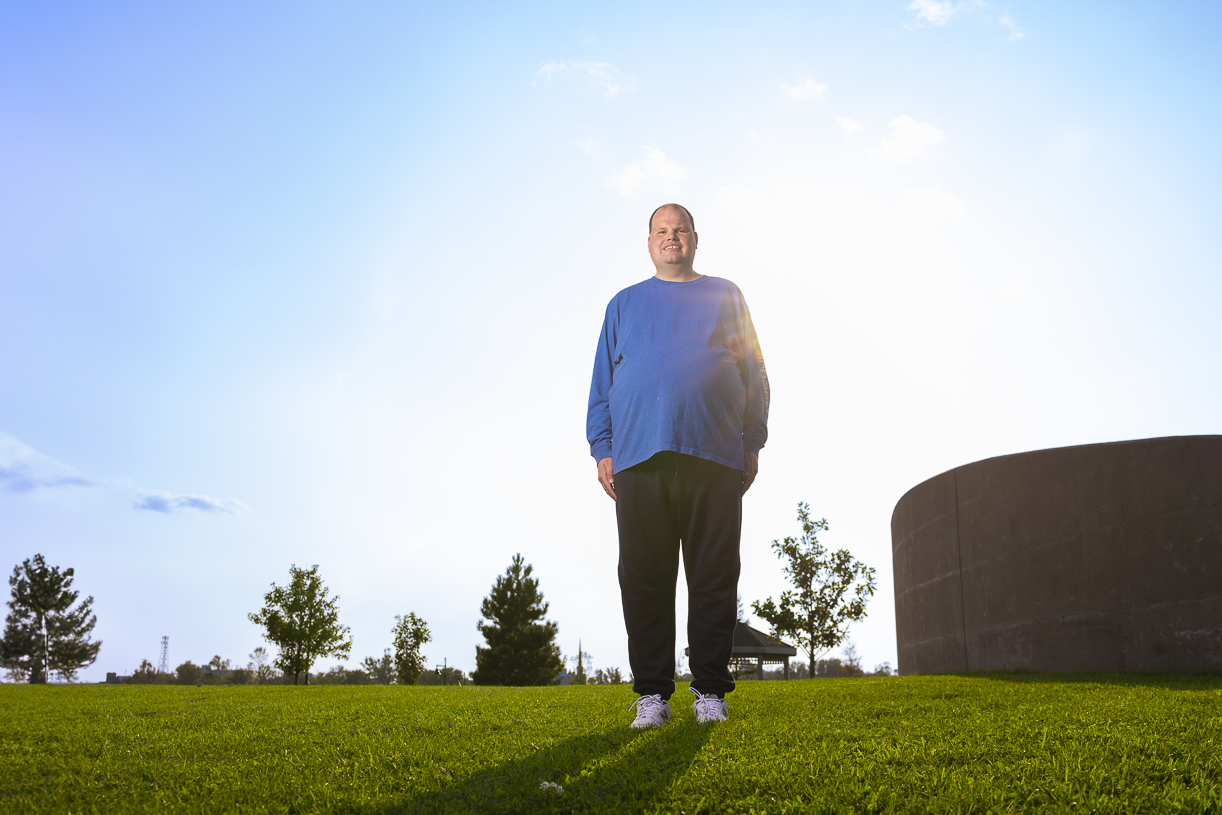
column 679, row 368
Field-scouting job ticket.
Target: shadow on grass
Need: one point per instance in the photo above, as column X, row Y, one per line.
column 619, row 770
column 1173, row 681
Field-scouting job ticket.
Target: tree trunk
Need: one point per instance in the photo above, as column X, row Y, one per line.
column 38, row 671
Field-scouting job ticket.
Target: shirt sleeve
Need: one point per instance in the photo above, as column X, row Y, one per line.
column 598, row 414
column 755, row 377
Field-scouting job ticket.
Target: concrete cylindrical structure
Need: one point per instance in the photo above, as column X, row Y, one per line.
column 1101, row 557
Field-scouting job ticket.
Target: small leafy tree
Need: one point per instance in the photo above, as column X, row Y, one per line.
column 852, row 660
column 381, row 671
column 410, row 633
column 260, row 671
column 302, row 622
column 522, row 647
column 44, row 634
column 830, row 591
column 611, row 676
column 189, row 673
column 146, row 674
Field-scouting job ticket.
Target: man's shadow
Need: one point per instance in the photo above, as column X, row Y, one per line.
column 620, row 769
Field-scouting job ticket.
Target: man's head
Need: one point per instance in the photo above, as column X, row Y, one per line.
column 691, row 222
column 672, row 242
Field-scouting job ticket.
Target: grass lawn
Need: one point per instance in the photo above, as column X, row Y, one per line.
column 994, row 743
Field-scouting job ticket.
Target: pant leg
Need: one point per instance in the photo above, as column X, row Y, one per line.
column 710, row 517
column 648, row 569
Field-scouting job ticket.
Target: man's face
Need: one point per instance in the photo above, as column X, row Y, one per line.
column 671, row 240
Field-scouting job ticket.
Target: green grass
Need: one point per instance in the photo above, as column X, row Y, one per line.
column 995, row 743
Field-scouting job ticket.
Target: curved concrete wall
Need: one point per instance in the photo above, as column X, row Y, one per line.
column 1101, row 557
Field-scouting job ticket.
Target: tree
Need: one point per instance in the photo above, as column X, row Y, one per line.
column 410, row 633
column 146, row 674
column 339, row 675
column 522, row 647
column 381, row 671
column 44, row 634
column 852, row 660
column 817, row 613
column 189, row 673
column 611, row 676
column 260, row 671
column 302, row 622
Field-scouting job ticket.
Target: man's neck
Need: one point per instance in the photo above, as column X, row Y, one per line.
column 681, row 275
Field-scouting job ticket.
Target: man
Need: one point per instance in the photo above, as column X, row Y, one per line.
column 678, row 413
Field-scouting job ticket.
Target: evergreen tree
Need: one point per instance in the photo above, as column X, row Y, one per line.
column 818, row 612
column 43, row 633
column 410, row 633
column 303, row 622
column 522, row 647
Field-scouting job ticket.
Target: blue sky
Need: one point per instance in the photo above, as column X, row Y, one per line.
column 321, row 283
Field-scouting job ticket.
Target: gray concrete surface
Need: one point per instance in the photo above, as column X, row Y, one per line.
column 1099, row 557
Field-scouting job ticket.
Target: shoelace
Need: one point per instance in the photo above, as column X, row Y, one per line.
column 706, row 703
column 647, row 704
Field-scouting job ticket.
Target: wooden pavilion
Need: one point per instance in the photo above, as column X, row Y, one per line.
column 755, row 646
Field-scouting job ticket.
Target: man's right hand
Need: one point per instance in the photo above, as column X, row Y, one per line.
column 606, row 476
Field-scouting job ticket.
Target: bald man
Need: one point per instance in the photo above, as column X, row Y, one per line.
column 678, row 413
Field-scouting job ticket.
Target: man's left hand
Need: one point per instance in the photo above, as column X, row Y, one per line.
column 752, row 460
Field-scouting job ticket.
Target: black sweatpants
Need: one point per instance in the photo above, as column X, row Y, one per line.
column 669, row 502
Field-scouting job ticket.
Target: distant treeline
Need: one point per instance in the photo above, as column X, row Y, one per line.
column 219, row 671
column 824, row 669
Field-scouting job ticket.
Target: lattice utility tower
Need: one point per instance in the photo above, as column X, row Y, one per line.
column 164, row 665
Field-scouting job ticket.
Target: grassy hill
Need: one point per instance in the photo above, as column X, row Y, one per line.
column 994, row 743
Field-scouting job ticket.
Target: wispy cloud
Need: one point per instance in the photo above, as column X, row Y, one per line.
column 848, row 126
column 23, row 469
column 1016, row 33
column 591, row 148
column 171, row 503
column 655, row 171
column 602, row 75
column 941, row 12
column 907, row 138
column 933, row 12
column 804, row 90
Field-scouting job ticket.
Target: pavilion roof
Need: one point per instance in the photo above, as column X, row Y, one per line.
column 750, row 642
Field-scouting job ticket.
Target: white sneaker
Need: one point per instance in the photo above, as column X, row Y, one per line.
column 708, row 708
column 651, row 711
